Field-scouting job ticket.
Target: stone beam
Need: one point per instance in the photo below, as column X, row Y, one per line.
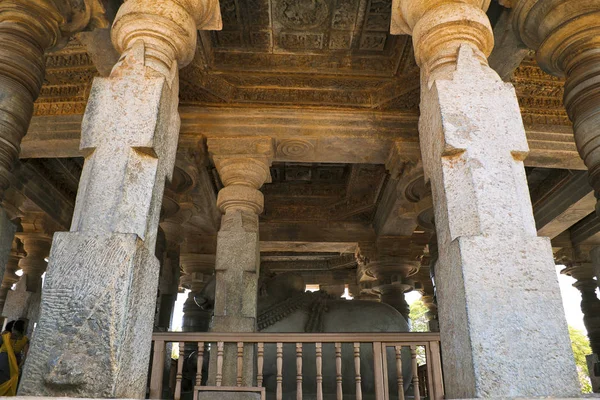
column 572, row 200
column 327, row 237
column 317, row 135
column 586, row 231
column 310, row 232
column 508, row 51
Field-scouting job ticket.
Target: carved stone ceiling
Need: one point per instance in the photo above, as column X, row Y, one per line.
column 312, row 52
column 323, row 192
column 273, row 76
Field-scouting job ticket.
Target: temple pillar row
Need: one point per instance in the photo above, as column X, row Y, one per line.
column 95, row 330
column 243, row 166
column 500, row 337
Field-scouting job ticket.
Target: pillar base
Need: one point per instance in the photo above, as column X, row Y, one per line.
column 502, row 321
column 94, row 334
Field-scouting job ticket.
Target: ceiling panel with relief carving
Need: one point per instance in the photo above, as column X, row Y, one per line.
column 334, row 36
column 334, row 53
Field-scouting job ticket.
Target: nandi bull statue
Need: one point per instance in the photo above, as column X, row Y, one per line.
column 284, row 306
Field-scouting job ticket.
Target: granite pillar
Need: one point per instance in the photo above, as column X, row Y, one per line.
column 168, row 283
column 502, row 324
column 95, row 329
column 243, row 165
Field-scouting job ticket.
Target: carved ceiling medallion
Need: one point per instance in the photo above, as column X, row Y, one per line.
column 302, row 14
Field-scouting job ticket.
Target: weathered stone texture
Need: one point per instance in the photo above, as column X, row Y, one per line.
column 96, row 318
column 497, row 290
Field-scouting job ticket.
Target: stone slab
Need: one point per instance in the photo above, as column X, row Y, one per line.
column 97, row 313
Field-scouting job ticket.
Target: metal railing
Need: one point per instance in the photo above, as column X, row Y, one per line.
column 386, row 357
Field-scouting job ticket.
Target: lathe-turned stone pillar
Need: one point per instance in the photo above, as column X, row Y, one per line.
column 167, row 252
column 243, row 165
column 583, row 273
column 502, row 323
column 27, row 29
column 365, row 282
column 7, row 234
column 566, row 37
column 95, row 329
column 10, row 276
column 392, row 263
column 198, row 269
column 24, row 301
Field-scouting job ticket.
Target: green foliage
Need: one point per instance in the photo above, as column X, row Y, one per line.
column 419, row 323
column 581, row 348
column 417, row 317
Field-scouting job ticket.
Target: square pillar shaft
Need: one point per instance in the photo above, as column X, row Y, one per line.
column 502, row 323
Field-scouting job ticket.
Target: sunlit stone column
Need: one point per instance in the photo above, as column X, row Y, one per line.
column 27, row 29
column 243, row 165
column 94, row 334
column 502, row 323
column 566, row 37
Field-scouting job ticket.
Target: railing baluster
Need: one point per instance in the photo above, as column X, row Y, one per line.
column 379, row 370
column 279, row 371
column 319, row 357
column 398, row 350
column 298, row 371
column 436, row 371
column 179, row 371
column 158, row 366
column 240, row 363
column 199, row 363
column 219, row 375
column 415, row 372
column 338, row 370
column 260, row 364
column 358, row 378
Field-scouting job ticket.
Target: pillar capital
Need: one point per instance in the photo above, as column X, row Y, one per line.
column 440, row 27
column 197, row 268
column 243, row 166
column 168, row 29
column 34, row 264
